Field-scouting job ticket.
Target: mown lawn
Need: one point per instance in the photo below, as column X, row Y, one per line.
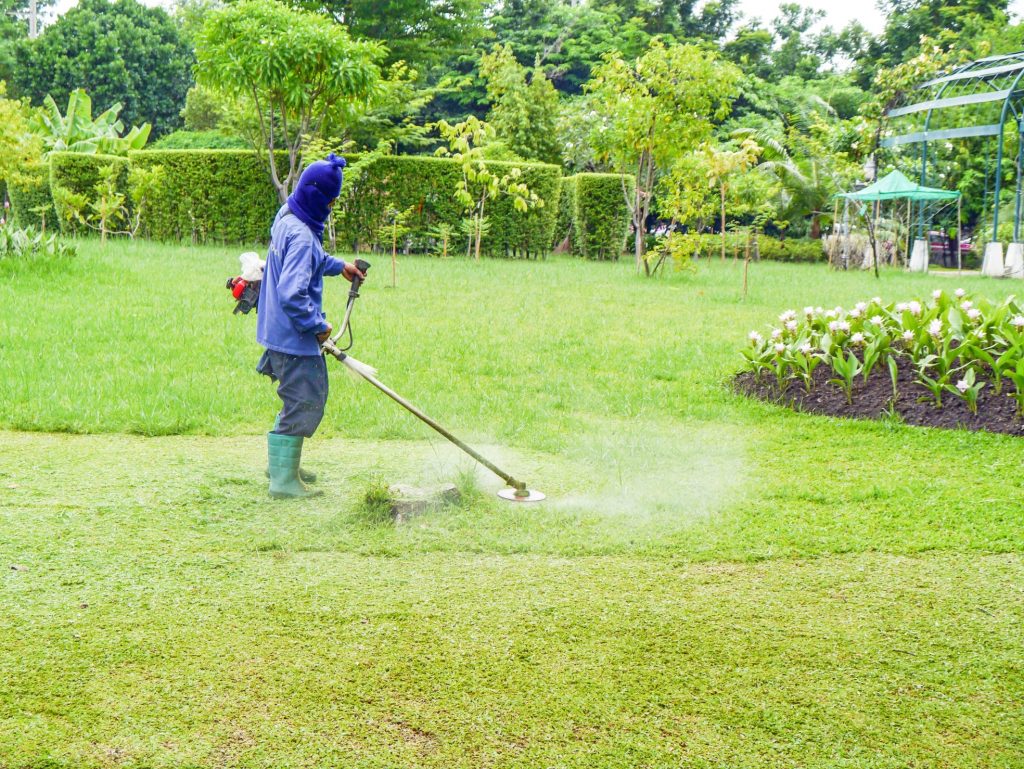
column 712, row 582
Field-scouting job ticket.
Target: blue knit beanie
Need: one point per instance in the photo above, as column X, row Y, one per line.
column 319, row 184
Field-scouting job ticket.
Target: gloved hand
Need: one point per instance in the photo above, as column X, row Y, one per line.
column 323, row 336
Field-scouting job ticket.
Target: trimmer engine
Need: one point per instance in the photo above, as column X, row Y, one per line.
column 246, row 287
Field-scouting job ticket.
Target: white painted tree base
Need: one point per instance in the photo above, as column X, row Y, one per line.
column 919, row 256
column 1015, row 261
column 993, row 265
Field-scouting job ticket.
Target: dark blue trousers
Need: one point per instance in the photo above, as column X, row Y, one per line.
column 302, row 388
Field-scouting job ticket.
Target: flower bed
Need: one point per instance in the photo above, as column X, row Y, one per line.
column 950, row 361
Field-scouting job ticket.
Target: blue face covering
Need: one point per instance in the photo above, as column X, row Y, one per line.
column 319, row 184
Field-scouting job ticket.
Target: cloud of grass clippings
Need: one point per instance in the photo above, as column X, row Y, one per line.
column 622, row 475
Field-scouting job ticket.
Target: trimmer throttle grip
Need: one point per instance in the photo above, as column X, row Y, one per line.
column 362, row 265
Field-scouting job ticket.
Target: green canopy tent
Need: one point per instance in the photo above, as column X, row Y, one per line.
column 896, row 186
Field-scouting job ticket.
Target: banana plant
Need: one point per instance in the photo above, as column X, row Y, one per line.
column 77, row 131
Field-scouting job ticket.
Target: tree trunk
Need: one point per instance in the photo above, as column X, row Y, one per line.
column 815, row 226
column 394, row 258
column 722, row 191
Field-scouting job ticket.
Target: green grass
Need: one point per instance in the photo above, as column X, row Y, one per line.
column 712, row 582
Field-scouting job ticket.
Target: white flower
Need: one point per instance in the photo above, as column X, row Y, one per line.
column 830, row 314
column 780, row 348
column 857, row 338
column 876, row 300
column 809, row 312
column 806, row 348
column 861, row 306
column 839, row 310
column 1018, row 321
column 878, row 320
column 935, row 328
column 776, row 333
column 755, row 338
column 974, row 313
column 902, row 307
column 937, row 293
column 962, row 386
column 833, row 326
column 960, row 293
column 914, row 307
column 787, row 316
column 791, row 325
column 818, row 310
column 908, row 336
column 854, row 313
column 966, row 304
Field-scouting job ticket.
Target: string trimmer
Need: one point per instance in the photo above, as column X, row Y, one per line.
column 517, row 491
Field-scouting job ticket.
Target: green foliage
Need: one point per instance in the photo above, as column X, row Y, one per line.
column 73, row 181
column 21, row 246
column 120, row 52
column 204, row 109
column 524, row 106
column 655, row 109
column 296, row 72
column 31, row 201
column 601, row 215
column 19, row 147
column 425, row 185
column 208, row 195
column 482, row 181
column 200, row 140
column 566, row 210
column 77, row 131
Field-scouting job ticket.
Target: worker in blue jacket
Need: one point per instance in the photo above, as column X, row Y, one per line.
column 291, row 323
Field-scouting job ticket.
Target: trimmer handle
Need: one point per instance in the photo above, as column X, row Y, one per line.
column 362, row 265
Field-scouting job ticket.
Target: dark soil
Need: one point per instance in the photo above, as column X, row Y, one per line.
column 874, row 399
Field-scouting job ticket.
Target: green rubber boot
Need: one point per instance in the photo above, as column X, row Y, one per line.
column 306, row 476
column 284, row 453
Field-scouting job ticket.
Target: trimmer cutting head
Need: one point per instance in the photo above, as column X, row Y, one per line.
column 521, row 495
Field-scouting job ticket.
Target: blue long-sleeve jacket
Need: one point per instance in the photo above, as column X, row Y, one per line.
column 290, row 312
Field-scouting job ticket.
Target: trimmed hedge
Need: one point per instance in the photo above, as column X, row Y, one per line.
column 594, row 215
column 210, row 195
column 78, row 173
column 426, row 186
column 600, row 215
column 566, row 211
column 32, row 191
column 199, row 140
column 226, row 196
column 769, row 248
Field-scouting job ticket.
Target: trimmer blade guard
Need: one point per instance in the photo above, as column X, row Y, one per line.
column 532, row 495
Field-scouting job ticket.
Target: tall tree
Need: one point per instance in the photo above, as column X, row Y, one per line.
column 294, row 71
column 422, row 33
column 654, row 109
column 524, row 106
column 118, row 52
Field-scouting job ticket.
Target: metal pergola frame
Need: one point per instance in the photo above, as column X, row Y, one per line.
column 993, row 80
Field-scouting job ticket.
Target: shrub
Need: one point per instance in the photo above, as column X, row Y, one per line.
column 200, row 140
column 426, row 185
column 791, row 249
column 31, row 202
column 73, row 180
column 28, row 245
column 600, row 215
column 208, row 195
column 566, row 210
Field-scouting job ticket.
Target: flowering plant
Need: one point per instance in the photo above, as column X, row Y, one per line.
column 953, row 342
